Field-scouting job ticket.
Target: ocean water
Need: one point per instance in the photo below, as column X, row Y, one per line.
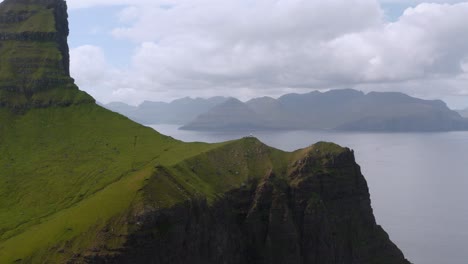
column 418, row 183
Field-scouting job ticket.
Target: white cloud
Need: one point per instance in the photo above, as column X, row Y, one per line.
column 243, row 44
column 93, row 3
column 413, row 2
column 247, row 48
column 95, row 75
column 89, row 65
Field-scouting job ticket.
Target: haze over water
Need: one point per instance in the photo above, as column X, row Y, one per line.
column 417, row 182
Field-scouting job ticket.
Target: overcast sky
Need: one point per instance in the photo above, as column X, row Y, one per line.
column 135, row 50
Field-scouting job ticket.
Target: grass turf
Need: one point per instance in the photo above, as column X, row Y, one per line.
column 54, row 158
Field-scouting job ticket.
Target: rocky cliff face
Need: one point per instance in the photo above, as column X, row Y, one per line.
column 317, row 213
column 34, row 55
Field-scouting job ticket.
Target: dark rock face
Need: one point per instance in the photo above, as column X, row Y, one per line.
column 35, row 62
column 61, row 25
column 320, row 213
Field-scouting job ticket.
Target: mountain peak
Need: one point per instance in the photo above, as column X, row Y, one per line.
column 34, row 55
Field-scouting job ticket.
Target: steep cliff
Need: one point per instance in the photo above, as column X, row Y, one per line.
column 80, row 184
column 315, row 210
column 34, row 57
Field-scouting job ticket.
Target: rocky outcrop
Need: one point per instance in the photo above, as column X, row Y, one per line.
column 29, row 36
column 318, row 213
column 35, row 62
column 16, row 17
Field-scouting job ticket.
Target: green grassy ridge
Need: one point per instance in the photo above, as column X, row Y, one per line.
column 74, row 161
column 156, row 185
column 321, row 152
column 232, row 166
column 72, row 152
column 40, row 243
column 90, row 197
column 211, row 174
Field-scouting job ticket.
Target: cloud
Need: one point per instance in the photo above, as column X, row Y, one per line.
column 426, row 42
column 73, row 4
column 94, row 74
column 94, row 3
column 264, row 44
column 413, row 2
column 248, row 48
column 89, row 64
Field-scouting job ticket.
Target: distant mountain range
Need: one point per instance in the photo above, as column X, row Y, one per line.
column 180, row 111
column 463, row 113
column 346, row 109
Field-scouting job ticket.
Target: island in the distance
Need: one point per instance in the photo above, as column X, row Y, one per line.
column 345, row 109
column 82, row 184
column 463, row 113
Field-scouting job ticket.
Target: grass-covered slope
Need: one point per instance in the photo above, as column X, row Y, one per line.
column 66, row 171
column 55, row 158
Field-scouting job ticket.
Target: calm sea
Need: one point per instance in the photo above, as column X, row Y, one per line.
column 418, row 183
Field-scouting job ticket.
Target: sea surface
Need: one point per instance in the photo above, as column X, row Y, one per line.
column 418, row 183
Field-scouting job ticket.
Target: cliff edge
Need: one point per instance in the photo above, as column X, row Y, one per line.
column 316, row 210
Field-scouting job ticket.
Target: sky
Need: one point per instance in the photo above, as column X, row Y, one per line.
column 160, row 50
